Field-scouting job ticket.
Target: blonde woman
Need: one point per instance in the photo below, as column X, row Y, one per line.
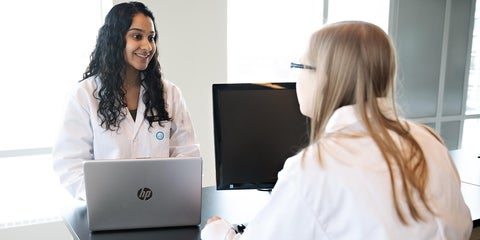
column 366, row 174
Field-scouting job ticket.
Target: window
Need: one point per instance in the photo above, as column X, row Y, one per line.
column 264, row 36
column 473, row 94
column 471, row 127
column 374, row 11
column 47, row 51
column 46, row 47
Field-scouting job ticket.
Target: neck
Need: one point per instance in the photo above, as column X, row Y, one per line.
column 131, row 79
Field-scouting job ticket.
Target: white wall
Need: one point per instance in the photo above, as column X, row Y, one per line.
column 193, row 54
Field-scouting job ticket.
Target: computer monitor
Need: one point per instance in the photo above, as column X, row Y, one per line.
column 256, row 128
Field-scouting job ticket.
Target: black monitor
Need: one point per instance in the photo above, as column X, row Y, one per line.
column 256, row 128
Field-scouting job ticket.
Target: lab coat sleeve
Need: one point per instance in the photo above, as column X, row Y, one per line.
column 286, row 216
column 219, row 230
column 183, row 140
column 74, row 144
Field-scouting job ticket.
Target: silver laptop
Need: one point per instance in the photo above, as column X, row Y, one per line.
column 143, row 193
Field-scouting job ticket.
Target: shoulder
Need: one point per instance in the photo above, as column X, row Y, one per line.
column 172, row 93
column 170, row 87
column 85, row 87
column 432, row 145
column 82, row 93
column 291, row 166
column 301, row 167
column 426, row 136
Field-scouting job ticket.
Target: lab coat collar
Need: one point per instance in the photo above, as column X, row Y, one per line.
column 348, row 115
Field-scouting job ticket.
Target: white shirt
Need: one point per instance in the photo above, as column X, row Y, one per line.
column 82, row 138
column 349, row 196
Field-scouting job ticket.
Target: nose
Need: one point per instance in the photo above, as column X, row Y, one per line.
column 147, row 45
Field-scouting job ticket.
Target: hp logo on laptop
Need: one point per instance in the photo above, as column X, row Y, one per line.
column 144, row 193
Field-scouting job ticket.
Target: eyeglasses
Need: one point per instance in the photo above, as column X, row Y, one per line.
column 302, row 66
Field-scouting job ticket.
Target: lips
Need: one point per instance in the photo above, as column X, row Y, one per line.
column 143, row 55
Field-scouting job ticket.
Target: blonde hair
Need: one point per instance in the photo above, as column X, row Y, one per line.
column 356, row 64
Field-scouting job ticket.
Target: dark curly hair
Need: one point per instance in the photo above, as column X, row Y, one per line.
column 107, row 63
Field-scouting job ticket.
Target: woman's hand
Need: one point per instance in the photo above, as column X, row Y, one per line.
column 213, row 219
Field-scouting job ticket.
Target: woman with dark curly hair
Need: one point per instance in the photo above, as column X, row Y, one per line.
column 122, row 108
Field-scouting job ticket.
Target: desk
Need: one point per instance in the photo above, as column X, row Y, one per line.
column 238, row 206
column 467, row 162
column 471, row 195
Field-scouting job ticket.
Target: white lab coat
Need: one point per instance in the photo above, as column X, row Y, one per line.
column 349, row 197
column 82, row 138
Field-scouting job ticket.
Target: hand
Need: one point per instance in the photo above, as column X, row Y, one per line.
column 213, row 219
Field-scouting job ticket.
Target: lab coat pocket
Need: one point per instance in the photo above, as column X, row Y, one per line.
column 161, row 133
column 159, row 139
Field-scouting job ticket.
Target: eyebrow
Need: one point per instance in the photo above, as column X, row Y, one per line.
column 138, row 29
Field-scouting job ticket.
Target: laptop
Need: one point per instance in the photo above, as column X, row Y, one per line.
column 143, row 193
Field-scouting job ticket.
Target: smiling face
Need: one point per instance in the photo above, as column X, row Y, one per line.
column 140, row 43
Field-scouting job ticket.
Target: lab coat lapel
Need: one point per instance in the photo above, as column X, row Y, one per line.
column 140, row 110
